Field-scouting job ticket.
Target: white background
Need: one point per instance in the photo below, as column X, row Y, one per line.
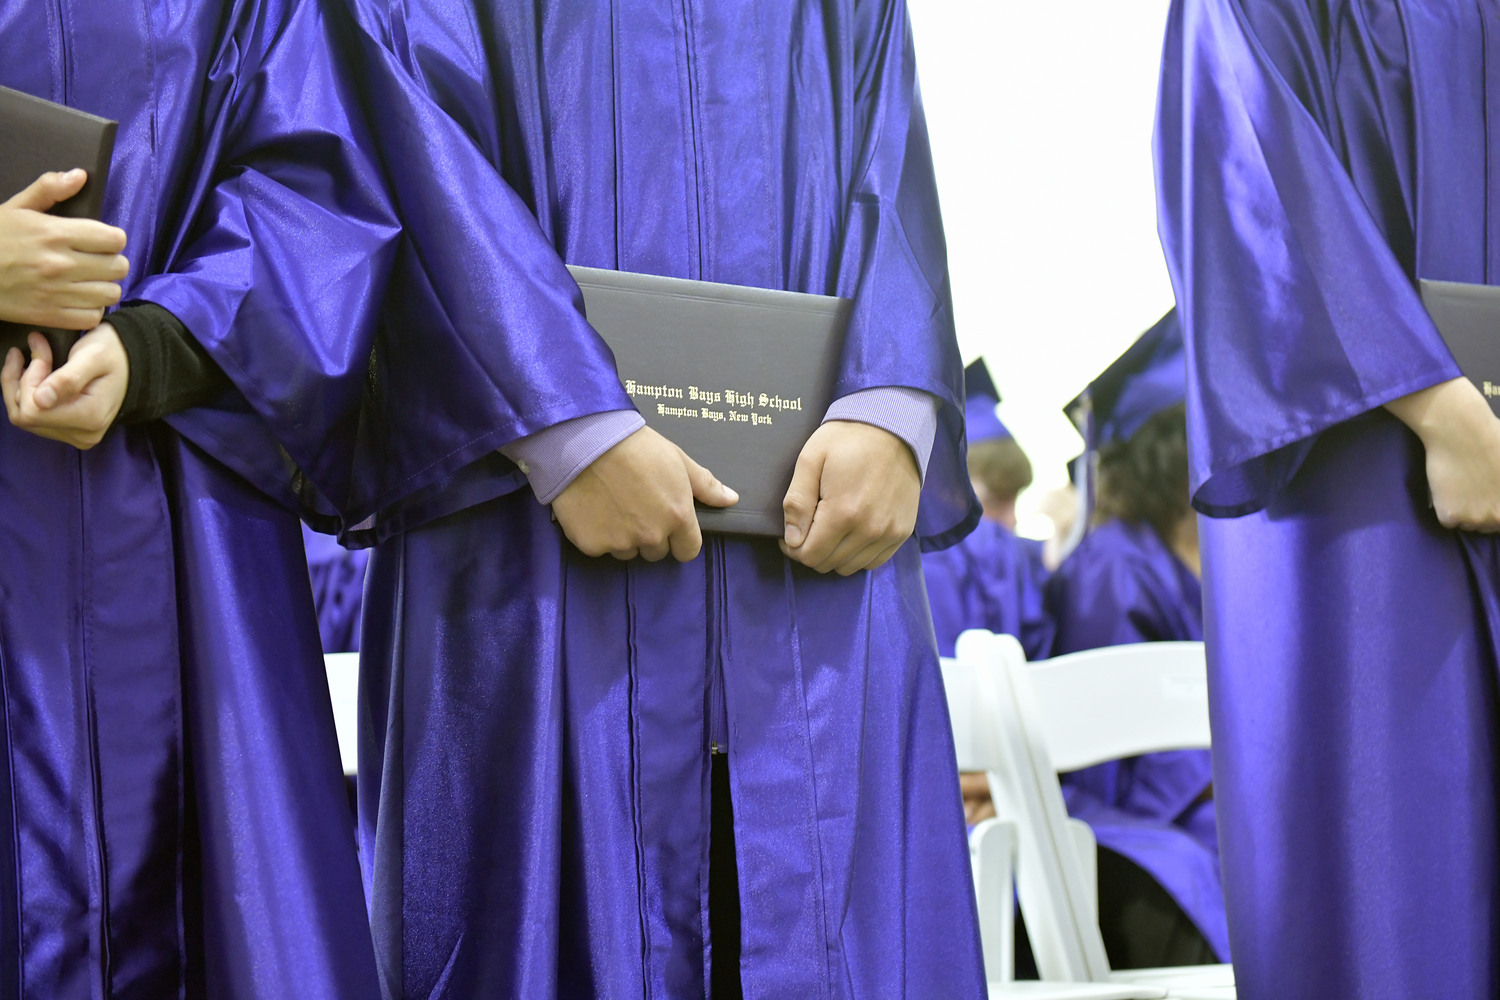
column 1041, row 114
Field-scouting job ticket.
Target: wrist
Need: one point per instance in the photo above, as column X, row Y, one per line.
column 1442, row 409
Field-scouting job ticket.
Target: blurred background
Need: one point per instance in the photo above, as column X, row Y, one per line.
column 1041, row 119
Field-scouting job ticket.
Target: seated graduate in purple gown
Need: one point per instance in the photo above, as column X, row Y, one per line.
column 548, row 806
column 992, row 579
column 171, row 800
column 1134, row 578
column 1315, row 157
column 338, row 586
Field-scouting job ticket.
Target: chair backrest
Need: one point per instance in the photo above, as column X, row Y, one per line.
column 992, row 852
column 1026, row 722
column 1121, row 701
column 990, row 735
column 343, row 691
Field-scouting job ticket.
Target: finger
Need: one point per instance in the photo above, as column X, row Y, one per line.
column 974, row 784
column 65, row 435
column 91, row 267
column 801, row 500
column 41, row 362
column 656, row 551
column 68, row 383
column 687, row 539
column 36, row 372
column 49, row 189
column 859, row 559
column 854, row 542
column 706, row 488
column 10, row 381
column 624, row 555
column 882, row 557
column 89, row 296
column 89, row 237
column 825, row 535
column 75, row 319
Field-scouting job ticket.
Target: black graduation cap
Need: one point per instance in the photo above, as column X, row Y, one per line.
column 1149, row 377
column 980, row 399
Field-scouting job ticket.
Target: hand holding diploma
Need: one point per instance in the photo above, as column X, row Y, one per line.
column 76, row 403
column 55, row 271
column 853, row 499
column 1462, row 439
column 637, row 500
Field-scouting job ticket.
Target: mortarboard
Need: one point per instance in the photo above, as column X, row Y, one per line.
column 1149, row 377
column 980, row 399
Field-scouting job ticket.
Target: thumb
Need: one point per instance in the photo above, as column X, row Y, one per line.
column 48, row 190
column 802, row 497
column 40, row 365
column 71, row 380
column 707, row 489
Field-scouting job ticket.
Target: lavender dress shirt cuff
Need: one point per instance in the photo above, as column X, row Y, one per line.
column 554, row 456
column 910, row 414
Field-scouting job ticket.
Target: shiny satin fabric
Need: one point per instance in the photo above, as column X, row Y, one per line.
column 990, row 580
column 271, row 867
column 534, row 749
column 341, row 417
column 174, row 824
column 1122, row 584
column 338, row 586
column 535, row 812
column 1313, row 158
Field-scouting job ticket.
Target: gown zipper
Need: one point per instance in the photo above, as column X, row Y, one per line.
column 65, row 70
column 718, row 722
column 691, row 84
column 99, row 877
column 718, row 725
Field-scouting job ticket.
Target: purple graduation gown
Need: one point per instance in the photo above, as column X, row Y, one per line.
column 991, row 580
column 536, row 725
column 1314, row 157
column 170, row 765
column 338, row 585
column 1122, row 585
column 173, row 802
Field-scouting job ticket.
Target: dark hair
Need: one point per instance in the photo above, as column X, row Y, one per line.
column 1001, row 466
column 1145, row 480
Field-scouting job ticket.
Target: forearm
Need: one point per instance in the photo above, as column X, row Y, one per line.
column 1426, row 411
column 169, row 370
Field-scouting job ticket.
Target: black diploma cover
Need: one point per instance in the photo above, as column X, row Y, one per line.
column 1468, row 317
column 737, row 377
column 37, row 136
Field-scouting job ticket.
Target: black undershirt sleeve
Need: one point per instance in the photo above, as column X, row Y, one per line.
column 169, row 370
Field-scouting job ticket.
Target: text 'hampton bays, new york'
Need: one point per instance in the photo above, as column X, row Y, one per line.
column 732, row 405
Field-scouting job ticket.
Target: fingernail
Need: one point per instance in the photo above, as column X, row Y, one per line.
column 46, row 397
column 793, row 535
column 731, row 494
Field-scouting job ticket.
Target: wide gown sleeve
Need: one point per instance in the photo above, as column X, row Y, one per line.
column 1298, row 315
column 894, row 263
column 364, row 279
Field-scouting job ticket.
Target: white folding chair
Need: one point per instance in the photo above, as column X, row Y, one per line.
column 343, row 689
column 993, row 853
column 1033, row 720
